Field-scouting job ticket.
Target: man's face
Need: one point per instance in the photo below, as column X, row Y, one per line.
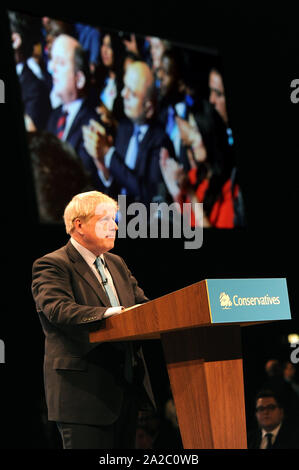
column 167, row 75
column 100, row 230
column 289, row 371
column 217, row 95
column 268, row 413
column 134, row 95
column 64, row 76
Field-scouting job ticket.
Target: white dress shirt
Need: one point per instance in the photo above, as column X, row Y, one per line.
column 90, row 258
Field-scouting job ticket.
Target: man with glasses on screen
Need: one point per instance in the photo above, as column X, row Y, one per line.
column 93, row 391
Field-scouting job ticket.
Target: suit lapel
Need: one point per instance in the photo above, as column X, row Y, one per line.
column 86, row 273
column 76, row 124
column 144, row 144
column 123, row 137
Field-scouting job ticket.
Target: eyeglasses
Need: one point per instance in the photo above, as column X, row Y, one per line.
column 260, row 409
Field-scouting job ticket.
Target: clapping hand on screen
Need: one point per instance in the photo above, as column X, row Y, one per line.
column 96, row 142
column 106, row 116
column 173, row 173
column 29, row 124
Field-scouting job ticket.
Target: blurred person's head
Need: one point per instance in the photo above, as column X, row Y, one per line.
column 289, row 371
column 273, row 368
column 269, row 410
column 46, row 22
column 70, row 69
column 25, row 33
column 157, row 48
column 90, row 219
column 212, row 155
column 112, row 52
column 217, row 93
column 211, row 143
column 54, row 28
column 58, row 174
column 130, row 58
column 170, row 73
column 107, row 51
column 139, row 92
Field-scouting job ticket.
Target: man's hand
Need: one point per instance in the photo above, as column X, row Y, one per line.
column 29, row 124
column 106, row 116
column 96, row 142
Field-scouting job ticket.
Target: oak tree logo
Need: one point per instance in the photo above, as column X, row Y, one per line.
column 225, row 301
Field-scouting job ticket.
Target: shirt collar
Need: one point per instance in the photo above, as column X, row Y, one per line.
column 72, row 107
column 142, row 129
column 86, row 254
column 274, row 431
column 19, row 68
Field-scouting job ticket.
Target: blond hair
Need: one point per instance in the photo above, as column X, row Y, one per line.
column 84, row 206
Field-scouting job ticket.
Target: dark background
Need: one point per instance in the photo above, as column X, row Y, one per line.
column 260, row 52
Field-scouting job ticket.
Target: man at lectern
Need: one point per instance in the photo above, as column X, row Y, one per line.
column 93, row 391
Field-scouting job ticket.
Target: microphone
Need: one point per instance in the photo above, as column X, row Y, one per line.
column 105, row 281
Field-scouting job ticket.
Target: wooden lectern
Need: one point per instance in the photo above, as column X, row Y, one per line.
column 204, row 363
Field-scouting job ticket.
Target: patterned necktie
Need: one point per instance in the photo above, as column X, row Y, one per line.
column 126, row 347
column 109, row 291
column 269, row 440
column 61, row 124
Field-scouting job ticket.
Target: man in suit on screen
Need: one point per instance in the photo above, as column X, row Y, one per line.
column 93, row 391
column 133, row 158
column 71, row 84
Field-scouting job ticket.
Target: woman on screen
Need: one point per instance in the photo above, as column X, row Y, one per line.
column 210, row 179
column 109, row 76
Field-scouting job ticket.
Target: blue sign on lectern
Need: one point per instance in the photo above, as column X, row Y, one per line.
column 248, row 300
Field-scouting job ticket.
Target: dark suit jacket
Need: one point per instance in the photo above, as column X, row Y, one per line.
column 75, row 138
column 84, row 382
column 287, row 437
column 35, row 97
column 144, row 182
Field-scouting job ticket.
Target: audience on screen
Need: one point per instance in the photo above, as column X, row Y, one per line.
column 109, row 74
column 81, row 71
column 157, row 47
column 217, row 94
column 173, row 100
column 89, row 37
column 211, row 163
column 71, row 80
column 34, row 92
column 132, row 159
